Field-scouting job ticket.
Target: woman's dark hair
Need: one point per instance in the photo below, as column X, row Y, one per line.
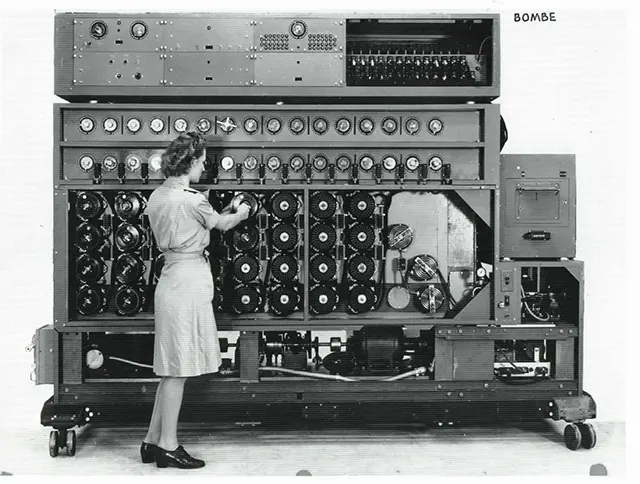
column 179, row 156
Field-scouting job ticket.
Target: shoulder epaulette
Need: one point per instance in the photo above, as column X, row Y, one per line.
column 190, row 190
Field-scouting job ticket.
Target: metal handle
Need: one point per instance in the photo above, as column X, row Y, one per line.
column 550, row 188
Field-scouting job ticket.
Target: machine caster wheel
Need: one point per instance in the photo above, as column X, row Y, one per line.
column 588, row 434
column 572, row 437
column 71, row 443
column 53, row 443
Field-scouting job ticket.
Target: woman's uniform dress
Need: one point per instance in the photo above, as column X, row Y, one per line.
column 186, row 336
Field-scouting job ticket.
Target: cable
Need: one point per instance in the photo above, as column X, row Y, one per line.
column 130, row 362
column 481, row 45
column 446, row 286
column 530, row 311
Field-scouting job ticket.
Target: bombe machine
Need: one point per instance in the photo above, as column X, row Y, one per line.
column 396, row 266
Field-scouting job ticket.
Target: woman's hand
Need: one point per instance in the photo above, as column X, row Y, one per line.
column 243, row 210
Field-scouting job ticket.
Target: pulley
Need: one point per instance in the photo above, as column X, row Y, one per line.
column 246, row 268
column 323, row 237
column 399, row 237
column 323, row 299
column 399, row 297
column 129, row 237
column 283, row 300
column 322, row 268
column 244, row 197
column 430, row 299
column 284, row 205
column 361, row 298
column 284, row 237
column 245, row 237
column 129, row 300
column 90, row 205
column 284, row 267
column 361, row 236
column 246, row 298
column 361, row 267
column 340, row 363
column 90, row 268
column 322, row 205
column 90, row 237
column 128, row 269
column 128, row 205
column 422, row 267
column 91, row 299
column 361, row 205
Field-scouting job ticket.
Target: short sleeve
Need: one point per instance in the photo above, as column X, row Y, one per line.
column 204, row 212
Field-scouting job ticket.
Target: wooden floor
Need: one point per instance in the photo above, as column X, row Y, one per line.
column 531, row 449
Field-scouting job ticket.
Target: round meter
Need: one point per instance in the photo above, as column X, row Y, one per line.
column 94, row 359
column 226, row 163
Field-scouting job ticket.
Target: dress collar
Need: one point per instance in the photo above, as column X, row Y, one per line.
column 175, row 182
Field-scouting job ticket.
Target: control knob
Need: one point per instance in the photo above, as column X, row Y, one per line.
column 227, row 126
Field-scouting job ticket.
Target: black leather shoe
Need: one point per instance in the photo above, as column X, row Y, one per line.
column 177, row 458
column 148, row 452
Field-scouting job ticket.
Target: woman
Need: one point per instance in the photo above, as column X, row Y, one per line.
column 186, row 337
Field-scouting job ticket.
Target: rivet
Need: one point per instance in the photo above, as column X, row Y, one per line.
column 461, row 394
column 561, row 385
column 439, row 387
column 486, row 385
column 448, row 394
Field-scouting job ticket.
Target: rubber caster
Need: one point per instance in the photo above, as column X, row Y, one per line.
column 588, row 434
column 53, row 443
column 71, row 443
column 572, row 437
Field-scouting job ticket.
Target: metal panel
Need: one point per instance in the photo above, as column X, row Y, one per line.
column 119, row 69
column 299, row 69
column 211, row 34
column 118, row 36
column 330, row 26
column 71, row 358
column 565, row 356
column 210, row 69
column 45, row 341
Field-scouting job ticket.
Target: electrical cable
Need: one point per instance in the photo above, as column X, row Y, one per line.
column 530, row 311
column 129, row 362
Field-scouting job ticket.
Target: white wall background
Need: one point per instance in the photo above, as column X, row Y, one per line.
column 564, row 90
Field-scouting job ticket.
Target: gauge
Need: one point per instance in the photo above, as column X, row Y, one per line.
column 481, row 272
column 250, row 163
column 86, row 162
column 343, row 163
column 110, row 125
column 412, row 163
column 94, row 359
column 389, row 163
column 296, row 125
column 138, row 30
column 251, row 125
column 133, row 162
column 435, row 126
column 110, row 163
column 296, row 162
column 435, row 163
column 412, row 126
column 180, row 125
column 366, row 163
column 204, row 125
column 298, row 29
column 226, row 163
column 389, row 125
column 274, row 163
column 156, row 125
column 133, row 125
column 155, row 162
column 87, row 125
column 343, row 125
column 98, row 29
column 320, row 163
column 366, row 125
column 274, row 125
column 228, row 125
column 320, row 125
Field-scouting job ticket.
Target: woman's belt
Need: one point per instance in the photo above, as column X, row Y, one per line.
column 177, row 256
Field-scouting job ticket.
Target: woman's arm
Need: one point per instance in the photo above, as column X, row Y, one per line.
column 228, row 221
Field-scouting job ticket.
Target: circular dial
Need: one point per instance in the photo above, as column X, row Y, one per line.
column 431, row 299
column 90, row 300
column 366, row 163
column 296, row 162
column 323, row 299
column 435, row 163
column 389, row 163
column 343, row 163
column 412, row 163
column 399, row 297
column 227, row 125
column 296, row 125
column 89, row 237
column 86, row 163
column 250, row 163
column 320, row 125
column 274, row 163
column 322, row 267
column 400, row 237
column 226, row 163
column 412, row 126
column 366, row 126
column 180, row 125
column 323, row 237
column 128, row 206
column 284, row 237
column 246, row 268
column 274, row 125
column 343, row 126
column 322, row 205
column 298, row 29
column 89, row 268
column 284, row 267
column 361, row 205
column 361, row 267
column 320, row 163
column 204, row 125
column 90, row 205
column 246, row 299
column 110, row 163
column 128, row 301
column 245, row 237
column 361, row 298
column 284, row 205
column 361, row 236
column 110, row 125
column 481, row 272
column 389, row 125
column 86, row 125
column 250, row 125
column 98, row 29
column 138, row 30
column 133, row 125
column 283, row 300
column 156, row 125
column 128, row 269
column 155, row 162
column 133, row 162
column 94, row 359
column 435, row 126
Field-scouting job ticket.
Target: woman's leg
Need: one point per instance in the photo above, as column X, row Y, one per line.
column 170, row 403
column 153, row 434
